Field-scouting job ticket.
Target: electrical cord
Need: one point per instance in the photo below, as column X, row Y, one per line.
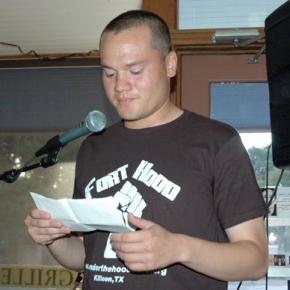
column 275, row 189
column 31, row 52
column 239, row 286
column 45, row 57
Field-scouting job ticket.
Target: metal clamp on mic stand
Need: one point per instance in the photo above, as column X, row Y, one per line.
column 11, row 175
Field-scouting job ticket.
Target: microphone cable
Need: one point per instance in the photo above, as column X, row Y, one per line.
column 78, row 281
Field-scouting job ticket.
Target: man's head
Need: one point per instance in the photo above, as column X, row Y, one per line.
column 160, row 33
column 137, row 65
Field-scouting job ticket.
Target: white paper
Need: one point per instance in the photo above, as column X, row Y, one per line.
column 84, row 215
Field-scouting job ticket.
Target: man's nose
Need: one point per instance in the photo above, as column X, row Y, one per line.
column 122, row 82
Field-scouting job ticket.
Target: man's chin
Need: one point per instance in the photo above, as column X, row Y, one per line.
column 128, row 116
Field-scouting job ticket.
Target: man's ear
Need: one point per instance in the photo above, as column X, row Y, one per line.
column 171, row 64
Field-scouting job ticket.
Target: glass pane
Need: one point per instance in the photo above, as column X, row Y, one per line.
column 257, row 145
column 231, row 103
column 279, row 250
column 241, row 104
column 56, row 181
column 195, row 14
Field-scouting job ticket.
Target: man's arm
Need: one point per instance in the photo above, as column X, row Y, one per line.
column 66, row 248
column 244, row 257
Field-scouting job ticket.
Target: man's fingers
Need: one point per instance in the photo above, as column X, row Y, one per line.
column 139, row 222
column 42, row 228
column 39, row 214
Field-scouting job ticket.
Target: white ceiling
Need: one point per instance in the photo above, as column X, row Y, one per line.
column 57, row 26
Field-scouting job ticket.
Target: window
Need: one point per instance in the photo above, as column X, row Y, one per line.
column 243, row 105
column 246, row 107
column 38, row 100
column 196, row 14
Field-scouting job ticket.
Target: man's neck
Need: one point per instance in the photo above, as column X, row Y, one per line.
column 163, row 116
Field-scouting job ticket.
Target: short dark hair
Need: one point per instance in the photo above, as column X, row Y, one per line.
column 160, row 33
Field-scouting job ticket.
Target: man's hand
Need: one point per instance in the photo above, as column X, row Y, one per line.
column 150, row 248
column 42, row 228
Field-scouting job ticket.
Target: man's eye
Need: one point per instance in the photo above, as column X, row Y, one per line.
column 109, row 74
column 136, row 71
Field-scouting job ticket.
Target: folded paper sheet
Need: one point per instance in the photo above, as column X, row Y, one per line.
column 84, row 215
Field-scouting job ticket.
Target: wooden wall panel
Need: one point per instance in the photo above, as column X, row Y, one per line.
column 167, row 9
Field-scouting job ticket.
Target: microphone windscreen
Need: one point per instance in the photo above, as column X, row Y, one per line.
column 95, row 121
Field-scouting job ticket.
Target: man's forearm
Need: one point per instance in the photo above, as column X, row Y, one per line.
column 69, row 252
column 242, row 260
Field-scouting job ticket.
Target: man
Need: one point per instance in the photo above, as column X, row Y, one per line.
column 186, row 181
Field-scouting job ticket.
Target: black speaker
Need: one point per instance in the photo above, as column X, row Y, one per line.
column 277, row 38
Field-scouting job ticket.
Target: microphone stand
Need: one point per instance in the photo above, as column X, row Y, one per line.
column 11, row 175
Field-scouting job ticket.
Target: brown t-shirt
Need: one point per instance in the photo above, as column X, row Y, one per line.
column 191, row 176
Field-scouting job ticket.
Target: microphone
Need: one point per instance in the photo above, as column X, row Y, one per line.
column 94, row 122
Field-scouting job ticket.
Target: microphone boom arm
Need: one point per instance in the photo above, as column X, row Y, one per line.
column 11, row 175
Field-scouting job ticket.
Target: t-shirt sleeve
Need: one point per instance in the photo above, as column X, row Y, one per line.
column 236, row 193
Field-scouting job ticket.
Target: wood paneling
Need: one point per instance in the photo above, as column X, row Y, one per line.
column 167, row 9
